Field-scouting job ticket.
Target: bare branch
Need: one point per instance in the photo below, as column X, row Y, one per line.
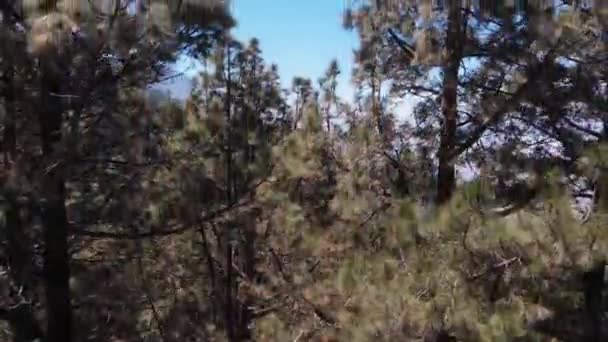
column 407, row 49
column 581, row 128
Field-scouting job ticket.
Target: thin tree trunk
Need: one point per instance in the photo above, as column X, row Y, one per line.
column 229, row 309
column 449, row 105
column 229, row 312
column 376, row 110
column 248, row 250
column 211, row 272
column 54, row 218
column 328, row 118
column 248, row 231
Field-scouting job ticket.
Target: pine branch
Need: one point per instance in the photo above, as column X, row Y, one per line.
column 507, row 106
column 176, row 230
column 179, row 229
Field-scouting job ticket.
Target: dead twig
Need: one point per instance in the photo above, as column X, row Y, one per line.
column 501, row 265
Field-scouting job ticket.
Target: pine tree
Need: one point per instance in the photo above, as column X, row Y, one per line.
column 253, row 212
column 488, row 64
column 77, row 58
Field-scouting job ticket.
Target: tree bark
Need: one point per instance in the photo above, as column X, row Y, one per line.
column 449, row 105
column 56, row 267
column 20, row 317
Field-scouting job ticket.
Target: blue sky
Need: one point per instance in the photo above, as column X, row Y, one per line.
column 301, row 37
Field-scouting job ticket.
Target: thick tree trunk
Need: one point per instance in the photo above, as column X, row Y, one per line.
column 56, row 264
column 21, row 319
column 54, row 219
column 449, row 105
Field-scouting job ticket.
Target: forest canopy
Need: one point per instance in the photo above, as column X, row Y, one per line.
column 253, row 211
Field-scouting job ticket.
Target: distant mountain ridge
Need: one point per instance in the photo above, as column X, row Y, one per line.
column 178, row 88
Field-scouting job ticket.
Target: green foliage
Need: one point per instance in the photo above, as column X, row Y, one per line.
column 253, row 212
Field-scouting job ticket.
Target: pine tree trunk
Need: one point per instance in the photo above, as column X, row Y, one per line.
column 376, row 110
column 210, row 263
column 449, row 102
column 54, row 219
column 230, row 312
column 18, row 250
column 20, row 318
column 248, row 250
